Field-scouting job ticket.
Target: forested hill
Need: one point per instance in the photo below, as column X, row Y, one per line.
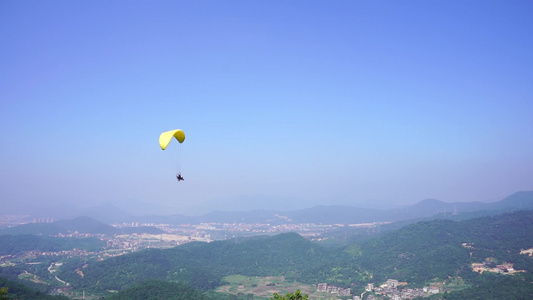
column 14, row 290
column 415, row 253
column 203, row 265
column 444, row 248
column 80, row 224
column 14, row 244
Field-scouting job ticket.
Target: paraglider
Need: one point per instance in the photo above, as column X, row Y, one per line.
column 165, row 138
column 179, row 177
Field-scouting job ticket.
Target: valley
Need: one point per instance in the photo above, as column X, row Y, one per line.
column 83, row 257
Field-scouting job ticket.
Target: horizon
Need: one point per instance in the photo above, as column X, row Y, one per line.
column 126, row 211
column 283, row 104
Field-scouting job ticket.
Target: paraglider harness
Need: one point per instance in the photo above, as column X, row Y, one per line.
column 179, row 177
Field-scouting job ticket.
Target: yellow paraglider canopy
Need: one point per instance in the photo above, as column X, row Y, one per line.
column 166, row 137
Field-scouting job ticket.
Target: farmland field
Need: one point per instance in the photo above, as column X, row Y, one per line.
column 265, row 287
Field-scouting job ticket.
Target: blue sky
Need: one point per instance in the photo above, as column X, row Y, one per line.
column 284, row 104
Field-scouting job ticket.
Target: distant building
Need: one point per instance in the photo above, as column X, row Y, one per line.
column 345, row 292
column 322, row 287
column 393, row 283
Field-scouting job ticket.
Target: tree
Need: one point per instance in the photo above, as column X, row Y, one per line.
column 3, row 293
column 290, row 296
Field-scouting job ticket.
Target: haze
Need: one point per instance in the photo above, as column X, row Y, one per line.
column 285, row 104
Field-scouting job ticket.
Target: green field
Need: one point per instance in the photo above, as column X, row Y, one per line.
column 265, row 287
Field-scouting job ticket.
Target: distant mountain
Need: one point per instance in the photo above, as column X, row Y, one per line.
column 249, row 202
column 107, row 212
column 519, row 200
column 42, row 209
column 351, row 215
column 334, row 214
column 80, row 225
column 432, row 207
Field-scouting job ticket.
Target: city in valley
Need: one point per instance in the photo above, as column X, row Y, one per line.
column 173, row 235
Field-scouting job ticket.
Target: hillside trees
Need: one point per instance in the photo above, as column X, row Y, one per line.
column 203, row 265
column 3, row 293
column 290, row 296
column 431, row 249
column 159, row 290
column 493, row 287
column 13, row 290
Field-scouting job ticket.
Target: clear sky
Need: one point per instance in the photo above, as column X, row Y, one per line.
column 283, row 103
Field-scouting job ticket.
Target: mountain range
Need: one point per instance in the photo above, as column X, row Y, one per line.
column 352, row 215
column 323, row 214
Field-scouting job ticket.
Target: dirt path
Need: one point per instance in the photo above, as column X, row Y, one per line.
column 57, row 278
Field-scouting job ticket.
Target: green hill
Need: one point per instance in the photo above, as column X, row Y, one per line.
column 14, row 244
column 80, row 225
column 159, row 290
column 203, row 265
column 14, row 290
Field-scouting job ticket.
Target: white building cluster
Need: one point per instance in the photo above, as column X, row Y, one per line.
column 324, row 287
